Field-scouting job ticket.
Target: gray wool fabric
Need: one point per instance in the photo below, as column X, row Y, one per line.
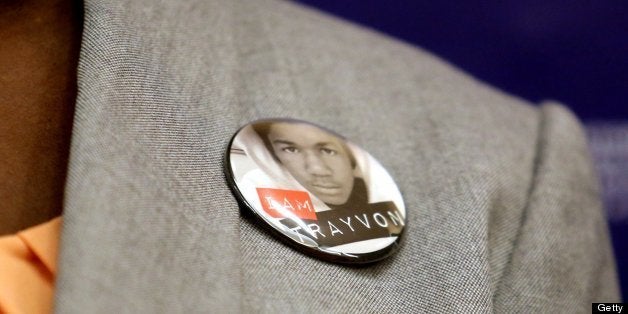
column 503, row 207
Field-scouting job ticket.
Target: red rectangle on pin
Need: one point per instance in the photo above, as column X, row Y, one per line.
column 277, row 201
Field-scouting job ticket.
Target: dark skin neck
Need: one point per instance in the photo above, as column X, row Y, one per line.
column 39, row 48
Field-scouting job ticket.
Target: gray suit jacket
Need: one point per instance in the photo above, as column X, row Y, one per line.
column 503, row 210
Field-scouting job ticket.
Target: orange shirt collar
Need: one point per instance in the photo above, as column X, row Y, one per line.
column 43, row 240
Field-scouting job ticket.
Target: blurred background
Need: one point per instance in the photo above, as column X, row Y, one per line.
column 575, row 52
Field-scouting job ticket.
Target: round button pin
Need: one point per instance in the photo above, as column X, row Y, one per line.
column 315, row 190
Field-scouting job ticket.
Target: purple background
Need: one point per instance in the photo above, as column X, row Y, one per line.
column 572, row 51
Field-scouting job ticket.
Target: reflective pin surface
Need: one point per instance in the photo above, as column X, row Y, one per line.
column 315, row 190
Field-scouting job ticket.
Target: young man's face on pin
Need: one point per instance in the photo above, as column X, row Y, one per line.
column 317, row 159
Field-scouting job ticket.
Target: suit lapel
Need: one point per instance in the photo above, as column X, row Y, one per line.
column 149, row 222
